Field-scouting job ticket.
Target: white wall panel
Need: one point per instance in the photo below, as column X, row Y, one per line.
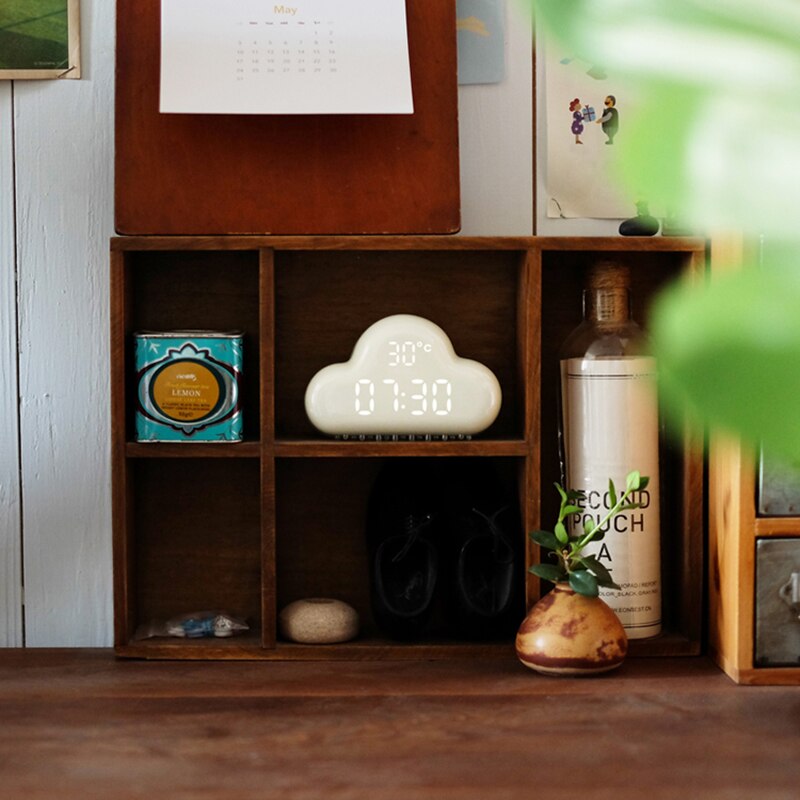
column 64, row 158
column 496, row 142
column 10, row 530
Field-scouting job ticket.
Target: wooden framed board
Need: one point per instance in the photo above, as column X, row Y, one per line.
column 287, row 174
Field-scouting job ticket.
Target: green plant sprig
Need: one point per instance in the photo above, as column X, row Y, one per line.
column 585, row 574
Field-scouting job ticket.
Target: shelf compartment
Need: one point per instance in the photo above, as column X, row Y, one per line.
column 173, row 290
column 325, row 299
column 322, row 545
column 563, row 274
column 195, row 540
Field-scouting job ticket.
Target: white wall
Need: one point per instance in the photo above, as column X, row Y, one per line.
column 10, row 526
column 496, row 143
column 56, row 216
column 62, row 162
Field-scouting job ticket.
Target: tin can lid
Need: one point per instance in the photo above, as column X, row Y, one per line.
column 189, row 334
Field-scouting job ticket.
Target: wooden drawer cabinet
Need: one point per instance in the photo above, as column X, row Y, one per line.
column 735, row 531
column 252, row 526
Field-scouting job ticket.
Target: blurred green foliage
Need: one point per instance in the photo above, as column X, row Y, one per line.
column 716, row 140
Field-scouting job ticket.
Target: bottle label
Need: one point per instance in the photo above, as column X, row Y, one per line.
column 610, row 408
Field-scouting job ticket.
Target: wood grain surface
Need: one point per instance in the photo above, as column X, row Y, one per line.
column 240, row 173
column 78, row 724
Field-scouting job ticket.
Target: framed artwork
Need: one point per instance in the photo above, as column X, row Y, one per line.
column 39, row 39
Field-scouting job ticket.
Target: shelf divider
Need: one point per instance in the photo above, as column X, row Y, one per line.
column 192, row 450
column 354, row 448
column 776, row 526
column 269, row 610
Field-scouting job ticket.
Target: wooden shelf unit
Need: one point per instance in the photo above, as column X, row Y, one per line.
column 231, row 526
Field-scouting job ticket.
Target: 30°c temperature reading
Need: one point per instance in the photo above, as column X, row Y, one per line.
column 404, row 354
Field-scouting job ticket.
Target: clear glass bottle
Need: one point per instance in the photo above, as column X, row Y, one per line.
column 609, row 427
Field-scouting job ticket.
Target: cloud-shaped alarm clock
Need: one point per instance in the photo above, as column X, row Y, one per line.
column 403, row 378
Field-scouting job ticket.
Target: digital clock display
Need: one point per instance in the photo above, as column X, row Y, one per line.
column 403, row 378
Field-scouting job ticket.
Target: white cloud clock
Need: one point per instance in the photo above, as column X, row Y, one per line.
column 403, row 378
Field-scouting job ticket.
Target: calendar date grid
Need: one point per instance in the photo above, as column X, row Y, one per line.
column 266, row 48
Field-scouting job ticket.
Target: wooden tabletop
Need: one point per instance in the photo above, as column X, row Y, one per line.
column 80, row 724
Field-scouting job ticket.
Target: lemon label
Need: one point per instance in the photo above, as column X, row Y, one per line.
column 186, row 391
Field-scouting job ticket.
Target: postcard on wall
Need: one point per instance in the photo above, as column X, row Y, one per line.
column 481, row 41
column 39, row 39
column 309, row 57
column 586, row 111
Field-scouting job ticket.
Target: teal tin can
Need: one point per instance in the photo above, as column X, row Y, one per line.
column 188, row 386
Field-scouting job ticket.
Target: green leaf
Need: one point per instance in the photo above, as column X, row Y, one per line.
column 633, row 481
column 589, row 525
column 630, row 506
column 550, row 572
column 596, row 567
column 567, row 510
column 609, row 584
column 545, row 539
column 643, row 482
column 563, row 494
column 726, row 347
column 583, row 582
column 612, row 493
column 561, row 533
column 576, row 494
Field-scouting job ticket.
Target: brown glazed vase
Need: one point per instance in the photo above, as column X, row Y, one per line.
column 567, row 633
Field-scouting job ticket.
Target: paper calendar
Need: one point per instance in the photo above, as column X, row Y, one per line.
column 255, row 57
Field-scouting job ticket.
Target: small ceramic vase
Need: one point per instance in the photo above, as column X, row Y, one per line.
column 567, row 633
